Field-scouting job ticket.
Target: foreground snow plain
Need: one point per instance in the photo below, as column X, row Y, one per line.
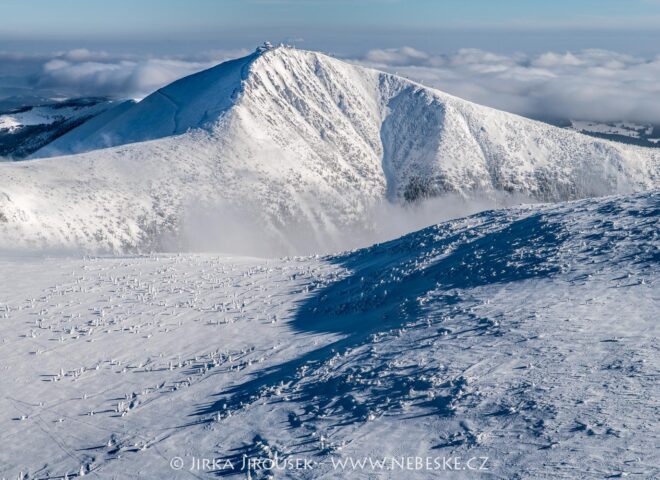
column 523, row 339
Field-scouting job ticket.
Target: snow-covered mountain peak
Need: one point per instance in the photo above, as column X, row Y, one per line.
column 307, row 148
column 412, row 140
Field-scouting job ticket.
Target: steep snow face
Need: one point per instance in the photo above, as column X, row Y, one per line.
column 418, row 142
column 525, row 336
column 302, row 145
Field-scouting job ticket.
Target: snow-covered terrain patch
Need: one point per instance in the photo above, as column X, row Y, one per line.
column 624, row 129
column 626, row 132
column 42, row 115
column 27, row 128
column 526, row 337
column 620, row 128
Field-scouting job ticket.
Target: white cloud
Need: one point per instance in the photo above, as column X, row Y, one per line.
column 591, row 84
column 122, row 78
column 588, row 85
column 83, row 72
column 398, row 56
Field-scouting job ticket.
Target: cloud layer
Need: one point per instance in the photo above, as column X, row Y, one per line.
column 88, row 73
column 586, row 85
column 591, row 84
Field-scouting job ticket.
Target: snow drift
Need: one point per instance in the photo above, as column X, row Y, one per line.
column 306, row 147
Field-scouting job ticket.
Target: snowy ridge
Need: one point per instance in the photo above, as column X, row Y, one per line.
column 172, row 110
column 303, row 145
column 502, row 336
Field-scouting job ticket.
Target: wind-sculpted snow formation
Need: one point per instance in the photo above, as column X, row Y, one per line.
column 523, row 338
column 295, row 150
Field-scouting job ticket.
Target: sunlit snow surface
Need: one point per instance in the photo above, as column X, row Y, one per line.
column 527, row 336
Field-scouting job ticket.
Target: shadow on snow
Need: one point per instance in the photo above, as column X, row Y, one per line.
column 381, row 293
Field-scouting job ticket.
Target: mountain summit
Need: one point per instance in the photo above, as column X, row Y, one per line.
column 303, row 143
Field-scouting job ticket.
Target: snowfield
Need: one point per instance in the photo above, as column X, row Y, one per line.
column 524, row 338
column 296, row 149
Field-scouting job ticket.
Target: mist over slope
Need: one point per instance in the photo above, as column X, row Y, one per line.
column 294, row 149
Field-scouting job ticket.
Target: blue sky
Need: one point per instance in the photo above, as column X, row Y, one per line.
column 344, row 26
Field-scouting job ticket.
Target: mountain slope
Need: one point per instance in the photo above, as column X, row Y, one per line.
column 79, row 135
column 526, row 336
column 302, row 145
column 172, row 110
